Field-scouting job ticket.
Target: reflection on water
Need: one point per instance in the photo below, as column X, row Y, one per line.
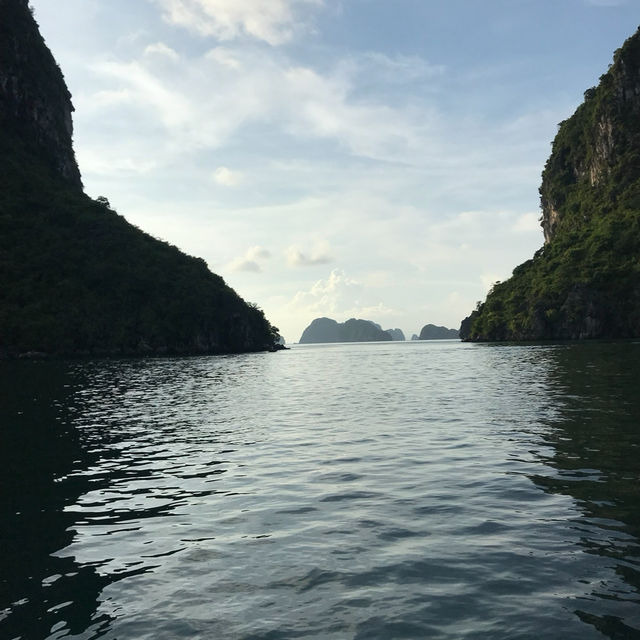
column 596, row 454
column 39, row 449
column 347, row 491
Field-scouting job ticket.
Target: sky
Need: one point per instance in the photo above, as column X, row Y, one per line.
column 377, row 159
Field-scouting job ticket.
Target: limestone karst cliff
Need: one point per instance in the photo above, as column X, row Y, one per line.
column 590, row 145
column 76, row 277
column 433, row 332
column 585, row 281
column 353, row 330
column 35, row 104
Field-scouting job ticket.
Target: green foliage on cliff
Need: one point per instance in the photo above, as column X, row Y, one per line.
column 75, row 277
column 585, row 281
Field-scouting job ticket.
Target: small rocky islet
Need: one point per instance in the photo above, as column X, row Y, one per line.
column 323, row 330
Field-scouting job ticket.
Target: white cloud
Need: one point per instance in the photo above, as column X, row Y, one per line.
column 118, row 161
column 391, row 69
column 146, row 90
column 527, row 222
column 258, row 252
column 340, row 297
column 334, row 295
column 245, row 265
column 203, row 102
column 162, row 50
column 227, row 178
column 489, row 279
column 250, row 261
column 271, row 21
column 369, row 312
column 224, row 57
column 320, row 254
column 320, row 106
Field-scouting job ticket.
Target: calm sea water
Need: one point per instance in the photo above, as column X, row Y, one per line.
column 365, row 491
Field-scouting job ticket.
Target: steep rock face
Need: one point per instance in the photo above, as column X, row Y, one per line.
column 75, row 277
column 585, row 281
column 321, row 330
column 34, row 100
column 353, row 330
column 590, row 144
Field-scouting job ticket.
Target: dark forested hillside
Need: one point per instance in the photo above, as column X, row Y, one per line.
column 76, row 277
column 585, row 281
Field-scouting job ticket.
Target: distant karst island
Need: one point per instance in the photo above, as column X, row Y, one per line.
column 76, row 277
column 353, row 330
column 432, row 332
column 396, row 334
column 585, row 281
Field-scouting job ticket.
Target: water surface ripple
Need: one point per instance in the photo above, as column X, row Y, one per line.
column 364, row 491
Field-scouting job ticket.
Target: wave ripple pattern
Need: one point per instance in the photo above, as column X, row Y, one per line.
column 365, row 491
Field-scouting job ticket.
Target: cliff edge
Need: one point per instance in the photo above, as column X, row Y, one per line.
column 585, row 281
column 35, row 104
column 75, row 277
